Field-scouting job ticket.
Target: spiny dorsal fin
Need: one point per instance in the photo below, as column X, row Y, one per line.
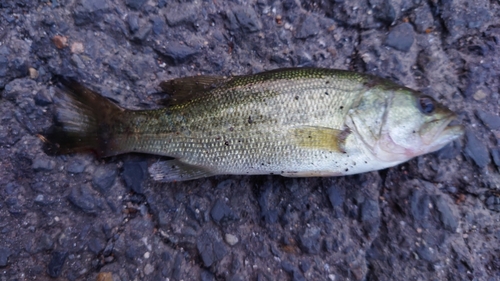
column 321, row 138
column 182, row 90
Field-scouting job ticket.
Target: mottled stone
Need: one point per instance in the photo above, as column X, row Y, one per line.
column 211, row 249
column 446, row 215
column 476, row 150
column 55, row 266
column 43, row 163
column 4, row 256
column 134, row 174
column 82, row 197
column 309, row 240
column 104, row 177
column 244, row 18
column 401, row 37
column 221, row 212
column 176, row 53
column 308, row 27
column 490, row 120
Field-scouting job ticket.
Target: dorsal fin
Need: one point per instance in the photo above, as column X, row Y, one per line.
column 182, row 90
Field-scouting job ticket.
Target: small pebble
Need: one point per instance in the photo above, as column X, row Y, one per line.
column 33, row 73
column 60, row 41
column 104, row 276
column 77, row 48
column 479, row 95
column 231, row 239
column 148, row 269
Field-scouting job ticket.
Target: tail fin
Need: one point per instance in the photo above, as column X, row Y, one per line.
column 83, row 120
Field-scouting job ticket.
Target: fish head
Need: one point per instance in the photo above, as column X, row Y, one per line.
column 402, row 123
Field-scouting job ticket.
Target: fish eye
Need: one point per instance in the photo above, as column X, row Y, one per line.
column 426, row 105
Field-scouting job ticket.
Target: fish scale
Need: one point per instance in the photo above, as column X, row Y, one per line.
column 293, row 122
column 274, row 107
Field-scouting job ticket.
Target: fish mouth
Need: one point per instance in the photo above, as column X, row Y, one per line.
column 438, row 133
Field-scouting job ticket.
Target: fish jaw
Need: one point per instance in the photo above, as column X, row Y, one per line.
column 387, row 150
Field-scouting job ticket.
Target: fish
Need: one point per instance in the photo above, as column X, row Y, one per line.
column 293, row 122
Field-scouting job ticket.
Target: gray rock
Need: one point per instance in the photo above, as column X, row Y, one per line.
column 4, row 256
column 495, row 154
column 143, row 33
column 336, row 195
column 96, row 245
column 460, row 17
column 383, row 11
column 423, row 18
column 185, row 13
column 81, row 197
column 135, row 4
column 158, row 25
column 207, row 276
column 176, row 53
column 45, row 243
column 42, row 98
column 134, row 174
column 401, row 37
column 425, row 253
column 55, row 266
column 244, row 18
column 89, row 11
column 419, row 206
column 77, row 61
column 104, row 177
column 43, row 163
column 308, row 27
column 4, row 66
column 369, row 210
column 133, row 23
column 211, row 249
column 221, row 212
column 446, row 215
column 288, row 267
column 490, row 120
column 309, row 240
column 76, row 166
column 476, row 150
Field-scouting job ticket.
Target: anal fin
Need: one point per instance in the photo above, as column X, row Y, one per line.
column 174, row 170
column 321, row 138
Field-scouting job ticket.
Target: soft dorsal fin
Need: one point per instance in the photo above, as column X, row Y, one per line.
column 321, row 138
column 182, row 90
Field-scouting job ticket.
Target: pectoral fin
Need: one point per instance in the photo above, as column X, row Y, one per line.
column 321, row 138
column 182, row 90
column 175, row 170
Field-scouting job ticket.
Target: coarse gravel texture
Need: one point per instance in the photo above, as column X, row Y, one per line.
column 75, row 217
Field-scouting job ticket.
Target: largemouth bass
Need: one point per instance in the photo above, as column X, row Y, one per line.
column 298, row 122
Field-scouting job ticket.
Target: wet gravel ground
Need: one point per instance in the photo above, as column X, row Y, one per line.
column 76, row 217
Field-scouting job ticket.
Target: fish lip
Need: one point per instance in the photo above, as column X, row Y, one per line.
column 445, row 133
